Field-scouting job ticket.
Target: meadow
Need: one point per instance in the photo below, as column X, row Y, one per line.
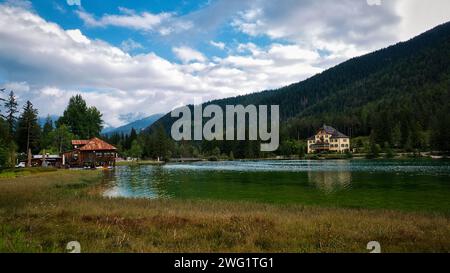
column 43, row 211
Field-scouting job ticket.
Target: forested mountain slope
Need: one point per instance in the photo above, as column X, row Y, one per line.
column 399, row 95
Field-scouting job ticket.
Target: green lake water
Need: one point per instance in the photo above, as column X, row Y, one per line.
column 419, row 185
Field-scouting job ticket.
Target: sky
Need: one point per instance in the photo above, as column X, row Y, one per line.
column 132, row 59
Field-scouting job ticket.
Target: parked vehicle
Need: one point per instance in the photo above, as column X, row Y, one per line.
column 21, row 165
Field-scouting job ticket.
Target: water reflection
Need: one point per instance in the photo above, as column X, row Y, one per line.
column 355, row 183
column 330, row 182
column 136, row 181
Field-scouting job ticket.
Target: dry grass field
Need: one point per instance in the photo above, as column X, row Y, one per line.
column 43, row 211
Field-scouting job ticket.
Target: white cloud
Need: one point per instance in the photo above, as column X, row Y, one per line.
column 77, row 36
column 219, row 45
column 74, row 2
column 130, row 45
column 419, row 16
column 47, row 64
column 128, row 19
column 187, row 54
column 293, row 52
column 321, row 24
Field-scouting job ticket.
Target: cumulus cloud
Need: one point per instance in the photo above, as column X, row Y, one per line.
column 327, row 25
column 128, row 19
column 187, row 54
column 419, row 16
column 47, row 64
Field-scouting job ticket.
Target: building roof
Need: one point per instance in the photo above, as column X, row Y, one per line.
column 96, row 144
column 79, row 142
column 331, row 131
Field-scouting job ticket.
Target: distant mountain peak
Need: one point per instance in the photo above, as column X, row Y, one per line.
column 138, row 125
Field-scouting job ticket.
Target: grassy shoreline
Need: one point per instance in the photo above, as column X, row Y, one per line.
column 42, row 212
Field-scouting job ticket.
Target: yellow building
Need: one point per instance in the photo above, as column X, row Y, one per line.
column 328, row 139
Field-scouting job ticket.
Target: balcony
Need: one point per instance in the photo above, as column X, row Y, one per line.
column 321, row 146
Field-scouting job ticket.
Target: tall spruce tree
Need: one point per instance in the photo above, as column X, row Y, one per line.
column 28, row 129
column 10, row 113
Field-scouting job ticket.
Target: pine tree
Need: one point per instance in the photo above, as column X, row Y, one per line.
column 28, row 130
column 46, row 140
column 11, row 111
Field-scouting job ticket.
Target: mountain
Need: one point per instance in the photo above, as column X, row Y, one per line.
column 138, row 125
column 399, row 95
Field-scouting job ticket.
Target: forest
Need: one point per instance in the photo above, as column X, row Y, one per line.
column 394, row 99
column 21, row 132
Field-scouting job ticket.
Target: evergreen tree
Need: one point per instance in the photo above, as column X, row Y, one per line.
column 94, row 122
column 7, row 147
column 46, row 140
column 136, row 150
column 440, row 139
column 11, row 111
column 28, row 129
column 84, row 122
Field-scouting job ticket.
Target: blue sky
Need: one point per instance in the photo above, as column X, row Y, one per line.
column 136, row 58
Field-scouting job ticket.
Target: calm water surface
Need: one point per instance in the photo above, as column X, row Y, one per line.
column 391, row 184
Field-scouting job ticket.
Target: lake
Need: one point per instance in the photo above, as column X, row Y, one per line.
column 422, row 185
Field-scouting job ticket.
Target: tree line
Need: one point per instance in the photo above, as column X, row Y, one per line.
column 397, row 98
column 21, row 133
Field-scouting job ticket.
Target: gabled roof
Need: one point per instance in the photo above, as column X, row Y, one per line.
column 333, row 132
column 96, row 144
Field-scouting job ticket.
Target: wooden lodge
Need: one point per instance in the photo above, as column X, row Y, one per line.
column 91, row 153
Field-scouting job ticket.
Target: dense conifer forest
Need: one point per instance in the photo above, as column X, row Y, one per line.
column 397, row 97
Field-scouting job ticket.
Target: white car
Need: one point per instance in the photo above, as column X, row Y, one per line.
column 21, row 165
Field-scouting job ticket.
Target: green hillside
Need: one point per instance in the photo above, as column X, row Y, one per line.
column 398, row 95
